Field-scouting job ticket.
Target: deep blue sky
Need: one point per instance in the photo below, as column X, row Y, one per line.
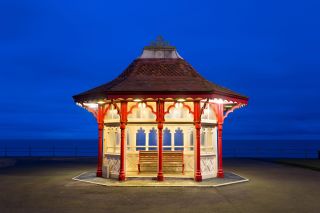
column 267, row 50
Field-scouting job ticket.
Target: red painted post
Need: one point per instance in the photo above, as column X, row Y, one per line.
column 219, row 112
column 197, row 123
column 160, row 120
column 123, row 123
column 100, row 121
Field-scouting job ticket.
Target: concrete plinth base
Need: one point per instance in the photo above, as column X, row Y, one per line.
column 229, row 178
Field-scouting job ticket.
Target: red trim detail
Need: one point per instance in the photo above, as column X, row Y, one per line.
column 170, row 106
column 218, row 109
column 106, row 109
column 188, row 107
column 183, row 104
column 117, row 108
column 131, row 108
column 220, row 173
column 204, row 107
column 100, row 114
column 197, row 123
column 147, row 105
column 160, row 120
column 231, row 110
column 173, row 94
column 123, row 122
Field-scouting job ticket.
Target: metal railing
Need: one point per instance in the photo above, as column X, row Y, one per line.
column 90, row 151
column 270, row 152
column 52, row 151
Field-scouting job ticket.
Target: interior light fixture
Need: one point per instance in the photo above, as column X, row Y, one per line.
column 101, row 102
column 91, row 105
column 181, row 100
column 218, row 101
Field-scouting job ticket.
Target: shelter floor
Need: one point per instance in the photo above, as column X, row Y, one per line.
column 187, row 175
column 230, row 178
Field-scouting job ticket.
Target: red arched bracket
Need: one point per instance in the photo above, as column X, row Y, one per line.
column 131, row 108
column 106, row 109
column 170, row 106
column 188, row 107
column 96, row 112
column 231, row 110
column 204, row 106
column 117, row 108
column 150, row 107
column 102, row 111
column 183, row 105
column 137, row 105
column 218, row 110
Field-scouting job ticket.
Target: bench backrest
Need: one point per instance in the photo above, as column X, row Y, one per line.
column 148, row 156
column 168, row 156
column 173, row 156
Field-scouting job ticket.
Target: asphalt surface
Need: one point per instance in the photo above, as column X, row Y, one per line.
column 46, row 186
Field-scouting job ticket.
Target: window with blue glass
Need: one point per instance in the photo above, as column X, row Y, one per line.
column 153, row 139
column 166, row 139
column 141, row 139
column 178, row 139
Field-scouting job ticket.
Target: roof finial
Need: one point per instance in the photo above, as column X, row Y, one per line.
column 159, row 43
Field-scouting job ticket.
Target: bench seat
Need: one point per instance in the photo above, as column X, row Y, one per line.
column 169, row 159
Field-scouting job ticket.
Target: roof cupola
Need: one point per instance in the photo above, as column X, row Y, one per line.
column 159, row 49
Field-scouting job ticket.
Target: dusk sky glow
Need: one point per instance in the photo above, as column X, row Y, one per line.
column 52, row 50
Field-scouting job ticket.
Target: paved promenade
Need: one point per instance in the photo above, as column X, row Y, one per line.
column 47, row 186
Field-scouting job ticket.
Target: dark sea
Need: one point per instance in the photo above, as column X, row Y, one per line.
column 231, row 148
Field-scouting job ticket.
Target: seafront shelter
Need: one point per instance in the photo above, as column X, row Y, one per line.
column 160, row 118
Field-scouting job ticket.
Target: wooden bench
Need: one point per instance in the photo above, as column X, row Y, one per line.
column 169, row 159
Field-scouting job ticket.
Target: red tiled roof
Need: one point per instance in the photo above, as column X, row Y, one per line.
column 158, row 76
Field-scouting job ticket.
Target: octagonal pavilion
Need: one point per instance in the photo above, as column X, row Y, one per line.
column 160, row 118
